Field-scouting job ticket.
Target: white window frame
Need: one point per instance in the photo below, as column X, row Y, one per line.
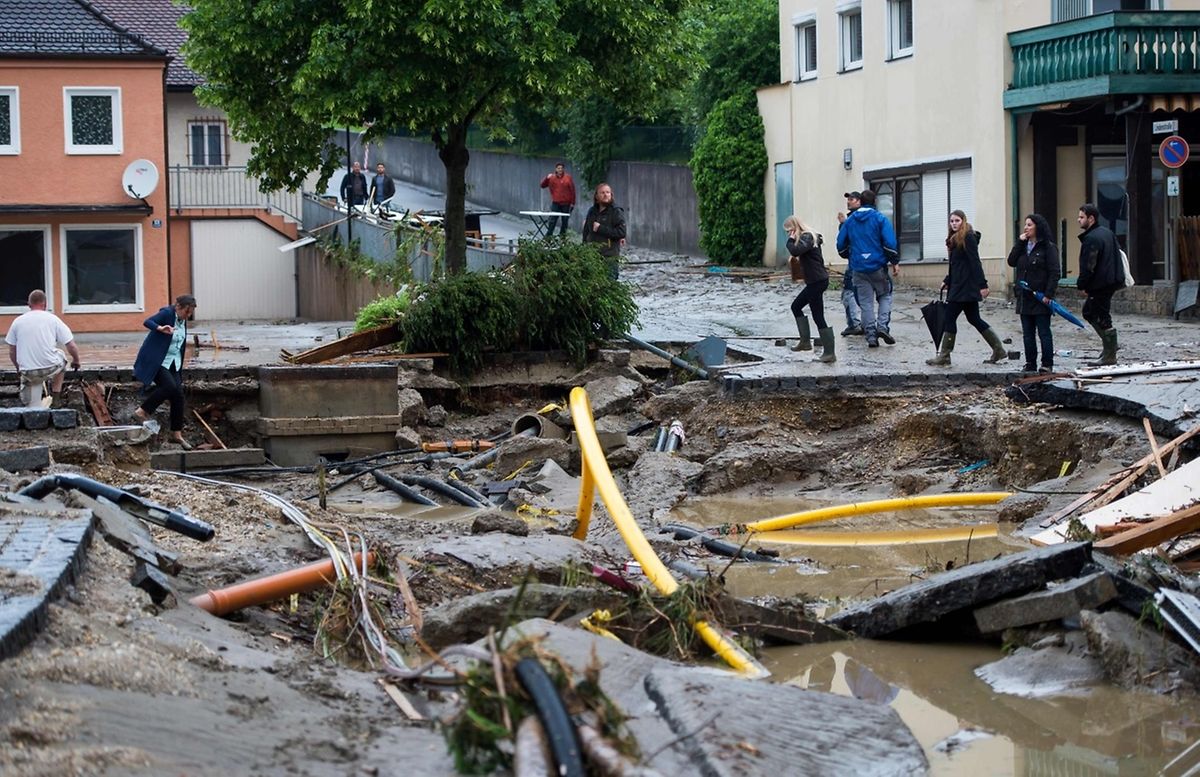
column 844, row 49
column 896, row 27
column 139, row 303
column 800, row 26
column 13, row 94
column 206, row 123
column 47, row 266
column 114, row 92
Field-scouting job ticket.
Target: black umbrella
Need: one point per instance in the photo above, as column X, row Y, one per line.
column 935, row 318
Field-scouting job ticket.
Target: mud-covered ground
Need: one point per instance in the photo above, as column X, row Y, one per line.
column 117, row 685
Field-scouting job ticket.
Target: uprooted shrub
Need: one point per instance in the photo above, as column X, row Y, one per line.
column 555, row 296
column 382, row 310
column 568, row 299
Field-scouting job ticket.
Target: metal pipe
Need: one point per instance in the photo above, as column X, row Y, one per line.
column 454, row 482
column 135, row 505
column 675, row 437
column 654, row 349
column 486, row 457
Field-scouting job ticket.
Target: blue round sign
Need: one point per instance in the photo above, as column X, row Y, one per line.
column 1173, row 151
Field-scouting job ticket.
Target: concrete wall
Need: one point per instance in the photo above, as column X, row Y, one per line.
column 659, row 199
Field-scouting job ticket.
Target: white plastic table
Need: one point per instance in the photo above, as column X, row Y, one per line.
column 544, row 221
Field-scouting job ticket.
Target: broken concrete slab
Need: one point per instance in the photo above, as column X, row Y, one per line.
column 1060, row 601
column 412, row 407
column 678, row 402
column 516, row 452
column 612, row 394
column 704, row 721
column 560, row 489
column 127, row 533
column 962, row 590
column 656, row 483
column 1035, row 674
column 470, row 617
column 25, row 459
column 543, row 554
column 152, row 581
column 1134, row 656
column 743, row 463
column 187, row 461
column 491, row 521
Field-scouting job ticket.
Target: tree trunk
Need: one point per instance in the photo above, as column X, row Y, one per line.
column 454, row 155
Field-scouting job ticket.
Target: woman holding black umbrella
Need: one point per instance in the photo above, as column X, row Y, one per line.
column 1036, row 258
column 965, row 286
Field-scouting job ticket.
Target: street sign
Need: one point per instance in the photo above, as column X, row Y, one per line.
column 1172, row 186
column 1166, row 127
column 1173, row 151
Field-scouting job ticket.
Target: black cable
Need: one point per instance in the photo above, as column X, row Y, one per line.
column 391, row 483
column 454, row 482
column 564, row 741
column 439, row 487
column 720, row 547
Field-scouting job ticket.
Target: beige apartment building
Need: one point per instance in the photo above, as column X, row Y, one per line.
column 997, row 108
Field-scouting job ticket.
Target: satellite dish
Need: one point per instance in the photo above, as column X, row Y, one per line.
column 140, row 179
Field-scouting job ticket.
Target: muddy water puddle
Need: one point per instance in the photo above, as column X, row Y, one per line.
column 967, row 728
column 847, row 572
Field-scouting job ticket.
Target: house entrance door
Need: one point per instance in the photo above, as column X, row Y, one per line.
column 1108, row 192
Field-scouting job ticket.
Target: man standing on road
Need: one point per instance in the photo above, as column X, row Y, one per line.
column 871, row 242
column 354, row 186
column 849, row 294
column 562, row 196
column 1100, row 276
column 33, row 341
column 383, row 187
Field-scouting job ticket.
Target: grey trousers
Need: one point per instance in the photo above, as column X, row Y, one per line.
column 875, row 287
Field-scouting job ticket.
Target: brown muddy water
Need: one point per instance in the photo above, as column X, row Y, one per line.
column 964, row 726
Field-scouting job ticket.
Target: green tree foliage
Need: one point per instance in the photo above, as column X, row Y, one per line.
column 285, row 70
column 382, row 310
column 592, row 124
column 569, row 300
column 728, row 166
column 740, row 49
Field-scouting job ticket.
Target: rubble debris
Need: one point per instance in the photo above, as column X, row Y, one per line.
column 468, row 618
column 497, row 521
column 1136, row 656
column 1060, row 601
column 1152, row 533
column 939, row 599
column 1182, row 611
column 152, row 581
column 209, row 434
column 142, row 508
column 97, row 403
column 25, row 459
column 125, row 533
column 378, row 337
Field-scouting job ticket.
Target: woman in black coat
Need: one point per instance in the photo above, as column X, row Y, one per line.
column 965, row 286
column 1036, row 258
column 159, row 363
column 605, row 226
column 805, row 246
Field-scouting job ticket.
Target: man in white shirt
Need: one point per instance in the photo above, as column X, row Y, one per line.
column 33, row 341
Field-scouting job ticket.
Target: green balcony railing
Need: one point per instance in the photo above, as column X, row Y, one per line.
column 1123, row 52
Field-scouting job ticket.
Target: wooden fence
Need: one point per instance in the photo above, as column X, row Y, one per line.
column 1187, row 247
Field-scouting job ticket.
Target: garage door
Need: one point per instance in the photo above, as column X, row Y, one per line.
column 239, row 273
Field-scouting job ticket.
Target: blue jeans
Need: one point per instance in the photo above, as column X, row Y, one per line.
column 1035, row 328
column 873, row 287
column 850, row 301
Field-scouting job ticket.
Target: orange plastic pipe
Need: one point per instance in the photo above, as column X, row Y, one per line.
column 273, row 587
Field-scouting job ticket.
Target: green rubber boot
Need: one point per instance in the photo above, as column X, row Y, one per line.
column 827, row 342
column 1108, row 355
column 943, row 357
column 805, row 343
column 999, row 352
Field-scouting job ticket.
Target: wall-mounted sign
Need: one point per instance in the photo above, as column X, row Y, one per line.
column 1172, row 186
column 1168, row 127
column 156, row 223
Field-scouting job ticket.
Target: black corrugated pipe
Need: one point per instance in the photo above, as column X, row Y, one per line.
column 720, row 547
column 564, row 741
column 439, row 487
column 389, row 482
column 135, row 505
column 454, row 482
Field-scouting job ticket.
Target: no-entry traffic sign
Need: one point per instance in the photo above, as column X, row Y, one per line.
column 1173, row 151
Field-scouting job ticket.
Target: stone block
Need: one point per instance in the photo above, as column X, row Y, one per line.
column 1056, row 603
column 34, row 419
column 169, row 461
column 25, row 459
column 152, row 582
column 10, row 419
column 327, row 391
column 64, row 418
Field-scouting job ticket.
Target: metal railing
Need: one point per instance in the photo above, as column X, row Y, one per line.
column 1123, row 52
column 227, row 187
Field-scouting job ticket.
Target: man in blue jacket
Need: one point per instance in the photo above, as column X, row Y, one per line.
column 870, row 244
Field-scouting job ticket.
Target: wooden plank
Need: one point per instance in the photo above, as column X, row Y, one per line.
column 1150, row 534
column 352, row 343
column 93, row 396
column 1162, row 471
column 208, row 432
column 402, row 701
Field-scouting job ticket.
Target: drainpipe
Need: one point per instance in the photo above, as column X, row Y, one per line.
column 1015, row 184
column 1133, row 106
column 702, row 374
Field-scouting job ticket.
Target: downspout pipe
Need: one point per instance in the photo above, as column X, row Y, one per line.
column 1133, row 106
column 654, row 349
column 134, row 505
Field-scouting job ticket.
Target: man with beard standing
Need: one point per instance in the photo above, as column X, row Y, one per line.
column 1100, row 276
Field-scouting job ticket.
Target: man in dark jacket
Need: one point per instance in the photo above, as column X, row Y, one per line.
column 354, row 186
column 383, row 188
column 871, row 242
column 1100, row 276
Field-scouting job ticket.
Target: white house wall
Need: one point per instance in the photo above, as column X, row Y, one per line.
column 944, row 101
column 238, row 271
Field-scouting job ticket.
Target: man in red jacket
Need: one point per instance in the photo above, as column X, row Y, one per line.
column 562, row 196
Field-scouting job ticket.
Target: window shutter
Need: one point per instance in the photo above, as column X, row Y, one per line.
column 962, row 193
column 935, row 212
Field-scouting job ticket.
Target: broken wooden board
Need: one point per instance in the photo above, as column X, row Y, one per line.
column 1178, row 490
column 93, row 396
column 127, row 534
column 1168, row 393
column 351, row 343
column 1150, row 534
column 960, row 591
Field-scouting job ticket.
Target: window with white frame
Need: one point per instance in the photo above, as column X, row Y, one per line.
column 92, row 119
column 102, row 267
column 206, row 143
column 806, row 50
column 24, row 265
column 850, row 24
column 10, row 120
column 900, row 28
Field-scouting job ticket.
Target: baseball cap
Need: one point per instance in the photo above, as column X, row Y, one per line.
column 852, row 195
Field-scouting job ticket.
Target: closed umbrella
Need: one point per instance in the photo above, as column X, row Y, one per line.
column 935, row 319
column 1054, row 306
